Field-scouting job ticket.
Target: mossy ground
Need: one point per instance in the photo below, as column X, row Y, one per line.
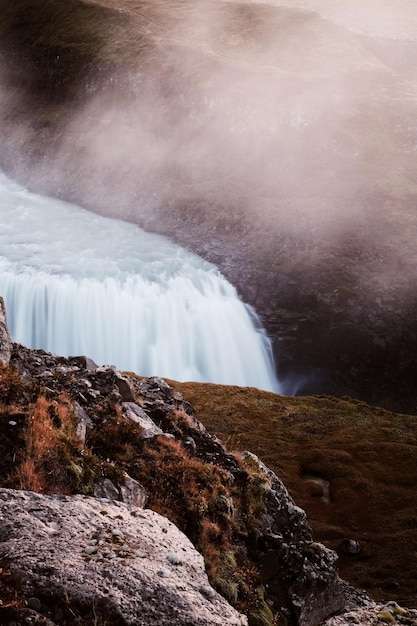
column 365, row 453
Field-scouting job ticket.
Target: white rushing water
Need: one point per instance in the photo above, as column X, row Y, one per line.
column 78, row 283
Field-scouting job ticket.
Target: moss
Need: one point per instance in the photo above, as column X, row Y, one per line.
column 261, row 615
column 396, row 609
column 226, row 580
column 75, row 474
column 363, row 451
column 227, row 588
column 386, row 617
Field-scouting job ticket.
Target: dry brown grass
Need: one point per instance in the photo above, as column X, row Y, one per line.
column 40, row 453
column 366, row 453
column 50, row 429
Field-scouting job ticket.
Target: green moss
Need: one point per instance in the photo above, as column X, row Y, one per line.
column 386, row 617
column 75, row 474
column 227, row 588
column 261, row 615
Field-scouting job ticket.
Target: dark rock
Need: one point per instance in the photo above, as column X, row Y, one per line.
column 308, row 568
column 105, row 488
column 125, row 388
column 83, row 362
column 351, row 547
column 35, row 604
column 85, row 422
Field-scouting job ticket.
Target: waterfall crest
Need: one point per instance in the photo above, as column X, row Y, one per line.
column 78, row 283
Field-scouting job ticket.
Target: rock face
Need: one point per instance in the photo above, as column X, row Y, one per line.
column 5, row 341
column 313, row 584
column 79, row 555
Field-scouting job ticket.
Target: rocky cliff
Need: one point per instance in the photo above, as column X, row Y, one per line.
column 276, row 141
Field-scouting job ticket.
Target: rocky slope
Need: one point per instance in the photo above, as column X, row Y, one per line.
column 347, row 464
column 276, row 141
column 68, row 427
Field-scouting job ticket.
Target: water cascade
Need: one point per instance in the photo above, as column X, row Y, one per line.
column 78, row 283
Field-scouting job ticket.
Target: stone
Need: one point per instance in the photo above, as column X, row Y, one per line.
column 135, row 413
column 148, row 591
column 6, row 344
column 84, row 422
column 105, row 488
column 34, row 603
column 125, row 388
column 133, row 493
column 306, row 567
column 350, row 547
column 84, row 362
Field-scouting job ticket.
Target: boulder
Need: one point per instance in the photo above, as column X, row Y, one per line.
column 74, row 556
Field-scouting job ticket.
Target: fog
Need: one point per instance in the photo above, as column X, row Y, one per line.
column 282, row 119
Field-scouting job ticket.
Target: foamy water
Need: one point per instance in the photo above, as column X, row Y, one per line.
column 78, row 283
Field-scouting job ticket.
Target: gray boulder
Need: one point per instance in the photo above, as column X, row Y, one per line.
column 135, row 413
column 74, row 554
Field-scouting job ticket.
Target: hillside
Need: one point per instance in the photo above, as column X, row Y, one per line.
column 347, row 464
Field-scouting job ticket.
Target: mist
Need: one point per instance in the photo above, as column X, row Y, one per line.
column 277, row 139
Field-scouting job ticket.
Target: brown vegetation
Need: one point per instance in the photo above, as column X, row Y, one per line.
column 365, row 454
column 349, row 465
column 201, row 498
column 49, row 432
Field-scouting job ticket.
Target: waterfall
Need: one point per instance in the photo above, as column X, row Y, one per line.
column 78, row 283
